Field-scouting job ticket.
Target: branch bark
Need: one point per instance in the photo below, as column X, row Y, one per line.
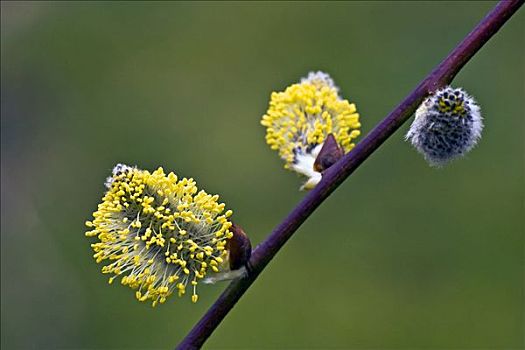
column 441, row 76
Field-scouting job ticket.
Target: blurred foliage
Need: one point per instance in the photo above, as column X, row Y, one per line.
column 401, row 256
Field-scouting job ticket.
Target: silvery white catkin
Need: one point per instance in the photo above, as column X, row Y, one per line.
column 447, row 125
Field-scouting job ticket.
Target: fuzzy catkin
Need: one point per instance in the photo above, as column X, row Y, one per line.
column 447, row 125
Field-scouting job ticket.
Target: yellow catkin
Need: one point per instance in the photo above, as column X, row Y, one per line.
column 168, row 234
column 300, row 118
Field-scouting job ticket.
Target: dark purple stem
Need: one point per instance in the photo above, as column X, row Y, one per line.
column 335, row 175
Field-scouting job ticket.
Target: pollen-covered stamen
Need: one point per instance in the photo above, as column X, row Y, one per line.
column 119, row 170
column 300, row 119
column 236, row 264
column 159, row 233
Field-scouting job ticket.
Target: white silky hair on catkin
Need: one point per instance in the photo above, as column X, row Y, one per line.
column 447, row 125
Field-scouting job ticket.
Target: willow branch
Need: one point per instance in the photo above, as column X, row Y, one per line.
column 442, row 75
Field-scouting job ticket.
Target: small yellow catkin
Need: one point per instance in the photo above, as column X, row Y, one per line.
column 300, row 118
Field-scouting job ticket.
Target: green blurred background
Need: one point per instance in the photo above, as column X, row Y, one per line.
column 400, row 256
